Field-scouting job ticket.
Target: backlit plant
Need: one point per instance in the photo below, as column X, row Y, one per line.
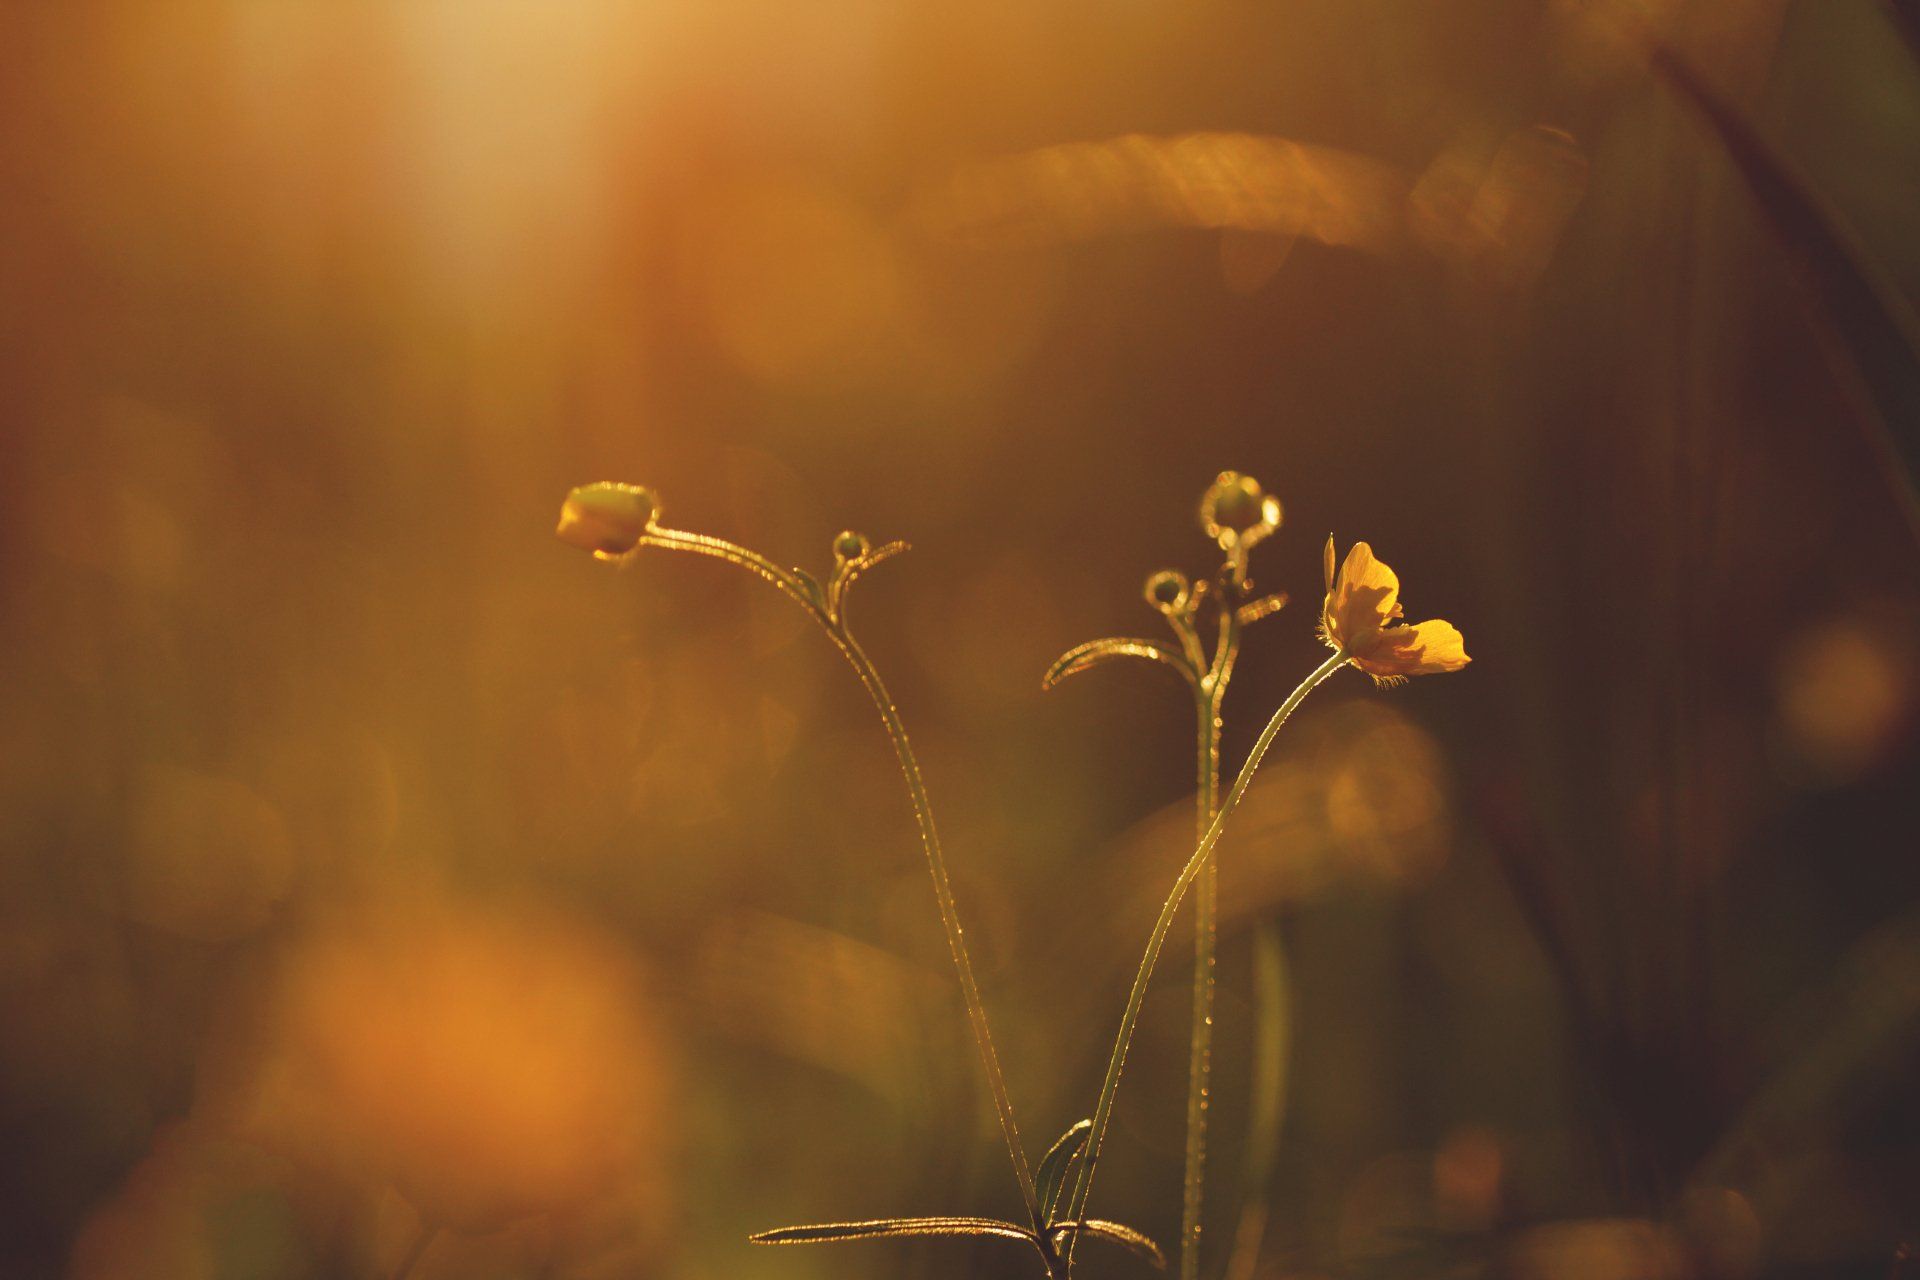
column 1360, row 621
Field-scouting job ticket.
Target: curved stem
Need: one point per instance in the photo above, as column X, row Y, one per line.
column 949, row 912
column 806, row 594
column 1136, row 998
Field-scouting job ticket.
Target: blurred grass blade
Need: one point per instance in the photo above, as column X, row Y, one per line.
column 1126, row 1237
column 1093, row 652
column 1875, row 325
column 1054, row 1165
column 1273, row 1027
column 1854, row 1044
column 1906, row 16
column 892, row 1228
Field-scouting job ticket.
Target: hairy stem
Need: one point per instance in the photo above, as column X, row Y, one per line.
column 1209, row 696
column 949, row 913
column 797, row 589
column 1136, row 997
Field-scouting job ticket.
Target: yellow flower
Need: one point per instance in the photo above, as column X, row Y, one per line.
column 1361, row 618
column 607, row 518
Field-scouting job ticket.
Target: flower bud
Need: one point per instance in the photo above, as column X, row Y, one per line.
column 1236, row 506
column 608, row 518
column 850, row 545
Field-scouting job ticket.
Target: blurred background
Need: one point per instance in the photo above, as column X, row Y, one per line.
column 370, row 857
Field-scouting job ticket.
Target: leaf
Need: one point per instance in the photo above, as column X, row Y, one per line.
column 1093, row 652
column 892, row 1228
column 1875, row 325
column 1126, row 1237
column 1052, row 1178
column 811, row 585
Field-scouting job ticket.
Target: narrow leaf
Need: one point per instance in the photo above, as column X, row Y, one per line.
column 1094, row 652
column 1126, row 1237
column 892, row 1228
column 1052, row 1178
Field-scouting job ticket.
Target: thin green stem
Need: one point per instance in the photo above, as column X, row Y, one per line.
column 949, row 912
column 1210, row 695
column 804, row 592
column 1200, row 1048
column 1136, row 998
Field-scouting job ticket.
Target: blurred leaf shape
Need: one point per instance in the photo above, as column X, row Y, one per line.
column 195, row 1207
column 1266, row 1110
column 1364, row 802
column 207, row 858
column 820, row 997
column 1878, row 336
column 1853, row 1044
column 1598, row 1249
column 488, row 1063
column 1498, row 217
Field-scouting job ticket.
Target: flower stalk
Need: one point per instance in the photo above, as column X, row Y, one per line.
column 615, row 521
column 1156, row 940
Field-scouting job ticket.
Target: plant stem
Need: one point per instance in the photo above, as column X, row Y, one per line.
column 805, row 594
column 1207, row 701
column 949, row 912
column 1136, row 998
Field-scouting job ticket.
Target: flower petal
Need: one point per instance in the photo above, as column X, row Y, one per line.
column 1427, row 648
column 1366, row 597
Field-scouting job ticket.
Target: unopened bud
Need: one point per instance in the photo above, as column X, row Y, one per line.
column 608, row 518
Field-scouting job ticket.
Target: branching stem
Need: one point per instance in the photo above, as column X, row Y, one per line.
column 1136, row 997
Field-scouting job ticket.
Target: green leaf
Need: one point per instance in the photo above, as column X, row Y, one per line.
column 1052, row 1178
column 1126, row 1237
column 810, row 585
column 893, row 1228
column 1094, row 652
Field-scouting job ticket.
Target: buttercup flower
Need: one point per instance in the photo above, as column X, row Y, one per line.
column 607, row 519
column 1361, row 618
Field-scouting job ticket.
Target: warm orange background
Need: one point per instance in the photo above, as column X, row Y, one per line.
column 365, row 852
